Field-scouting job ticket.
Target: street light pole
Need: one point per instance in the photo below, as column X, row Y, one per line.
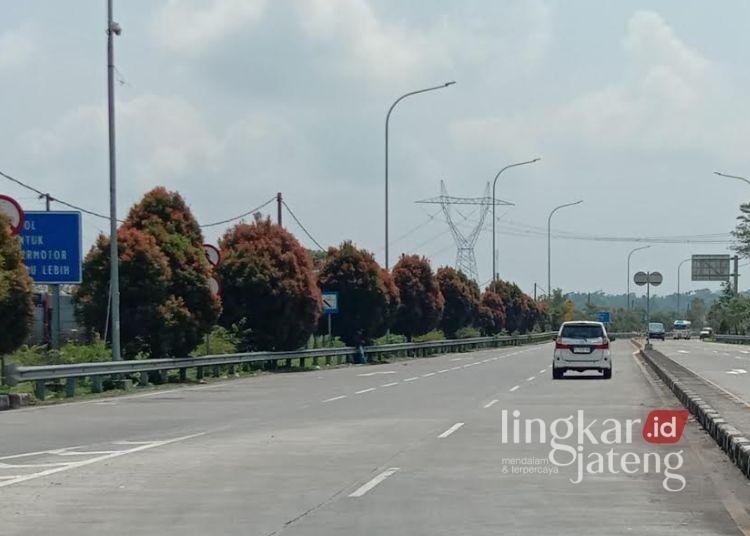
column 549, row 243
column 387, row 121
column 728, row 176
column 114, row 276
column 630, row 255
column 678, row 282
column 494, row 184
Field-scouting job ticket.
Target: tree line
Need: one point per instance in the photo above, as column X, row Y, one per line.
column 270, row 289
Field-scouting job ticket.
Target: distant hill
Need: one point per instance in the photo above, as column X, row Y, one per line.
column 667, row 302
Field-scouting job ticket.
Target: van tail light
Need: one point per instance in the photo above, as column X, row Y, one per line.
column 603, row 346
column 561, row 346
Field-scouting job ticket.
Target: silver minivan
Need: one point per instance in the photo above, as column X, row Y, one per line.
column 580, row 346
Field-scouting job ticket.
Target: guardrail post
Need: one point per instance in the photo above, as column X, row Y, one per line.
column 143, row 379
column 183, row 374
column 39, row 390
column 215, row 371
column 288, row 363
column 70, row 387
column 328, row 361
column 96, row 384
column 315, row 361
column 301, row 362
column 230, row 370
column 199, row 373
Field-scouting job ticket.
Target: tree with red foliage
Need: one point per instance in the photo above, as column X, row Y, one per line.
column 15, row 291
column 368, row 298
column 144, row 279
column 269, row 287
column 491, row 315
column 166, row 305
column 422, row 302
column 519, row 307
column 461, row 296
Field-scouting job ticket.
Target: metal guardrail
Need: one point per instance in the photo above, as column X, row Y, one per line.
column 732, row 339
column 96, row 372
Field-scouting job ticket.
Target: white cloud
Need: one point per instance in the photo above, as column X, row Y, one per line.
column 191, row 26
column 16, row 48
column 668, row 99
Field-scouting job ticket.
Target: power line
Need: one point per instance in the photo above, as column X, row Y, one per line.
column 52, row 198
column 244, row 214
column 321, row 248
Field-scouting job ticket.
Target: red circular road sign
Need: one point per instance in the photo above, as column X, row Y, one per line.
column 10, row 207
column 212, row 254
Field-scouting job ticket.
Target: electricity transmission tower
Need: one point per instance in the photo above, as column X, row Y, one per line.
column 465, row 259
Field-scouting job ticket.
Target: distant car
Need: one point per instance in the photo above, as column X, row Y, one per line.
column 582, row 346
column 656, row 331
column 681, row 329
column 706, row 333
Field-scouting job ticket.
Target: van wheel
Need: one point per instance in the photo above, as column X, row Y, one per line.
column 607, row 373
column 557, row 374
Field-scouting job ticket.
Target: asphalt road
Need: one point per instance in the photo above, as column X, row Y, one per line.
column 408, row 448
column 726, row 365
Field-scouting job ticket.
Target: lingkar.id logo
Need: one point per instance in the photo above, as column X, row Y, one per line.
column 573, row 438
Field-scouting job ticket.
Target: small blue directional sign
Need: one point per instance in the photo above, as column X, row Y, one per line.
column 604, row 317
column 330, row 302
column 52, row 248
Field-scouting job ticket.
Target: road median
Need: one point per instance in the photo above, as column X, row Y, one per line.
column 722, row 414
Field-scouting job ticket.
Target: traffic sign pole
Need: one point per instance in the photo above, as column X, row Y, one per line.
column 55, row 331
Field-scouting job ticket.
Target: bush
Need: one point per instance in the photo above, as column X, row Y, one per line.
column 220, row 341
column 15, row 291
column 461, row 296
column 270, row 292
column 434, row 335
column 468, row 332
column 68, row 354
column 368, row 298
column 421, row 302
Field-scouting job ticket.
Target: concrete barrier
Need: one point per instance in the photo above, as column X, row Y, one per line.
column 731, row 439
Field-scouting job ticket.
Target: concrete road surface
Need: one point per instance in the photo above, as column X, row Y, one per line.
column 412, row 448
column 726, row 365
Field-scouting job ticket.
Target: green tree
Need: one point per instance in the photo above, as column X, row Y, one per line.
column 166, row 306
column 697, row 312
column 269, row 288
column 368, row 298
column 421, row 302
column 15, row 291
column 461, row 296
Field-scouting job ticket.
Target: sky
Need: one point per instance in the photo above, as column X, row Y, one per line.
column 630, row 105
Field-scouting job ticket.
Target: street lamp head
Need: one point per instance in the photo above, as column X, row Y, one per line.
column 537, row 159
column 449, row 83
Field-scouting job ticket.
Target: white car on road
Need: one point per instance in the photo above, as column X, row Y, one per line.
column 582, row 346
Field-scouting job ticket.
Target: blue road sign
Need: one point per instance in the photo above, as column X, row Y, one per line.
column 51, row 244
column 330, row 302
column 604, row 317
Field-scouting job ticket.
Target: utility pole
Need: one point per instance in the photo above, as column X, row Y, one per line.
column 534, row 291
column 55, row 327
column 114, row 280
column 736, row 275
column 279, row 202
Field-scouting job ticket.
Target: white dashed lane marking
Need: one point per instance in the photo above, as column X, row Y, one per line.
column 450, row 430
column 364, row 488
column 334, row 398
column 411, row 379
column 364, row 391
column 490, row 403
column 389, row 384
column 514, row 388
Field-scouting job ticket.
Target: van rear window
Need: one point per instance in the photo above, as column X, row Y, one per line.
column 582, row 331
